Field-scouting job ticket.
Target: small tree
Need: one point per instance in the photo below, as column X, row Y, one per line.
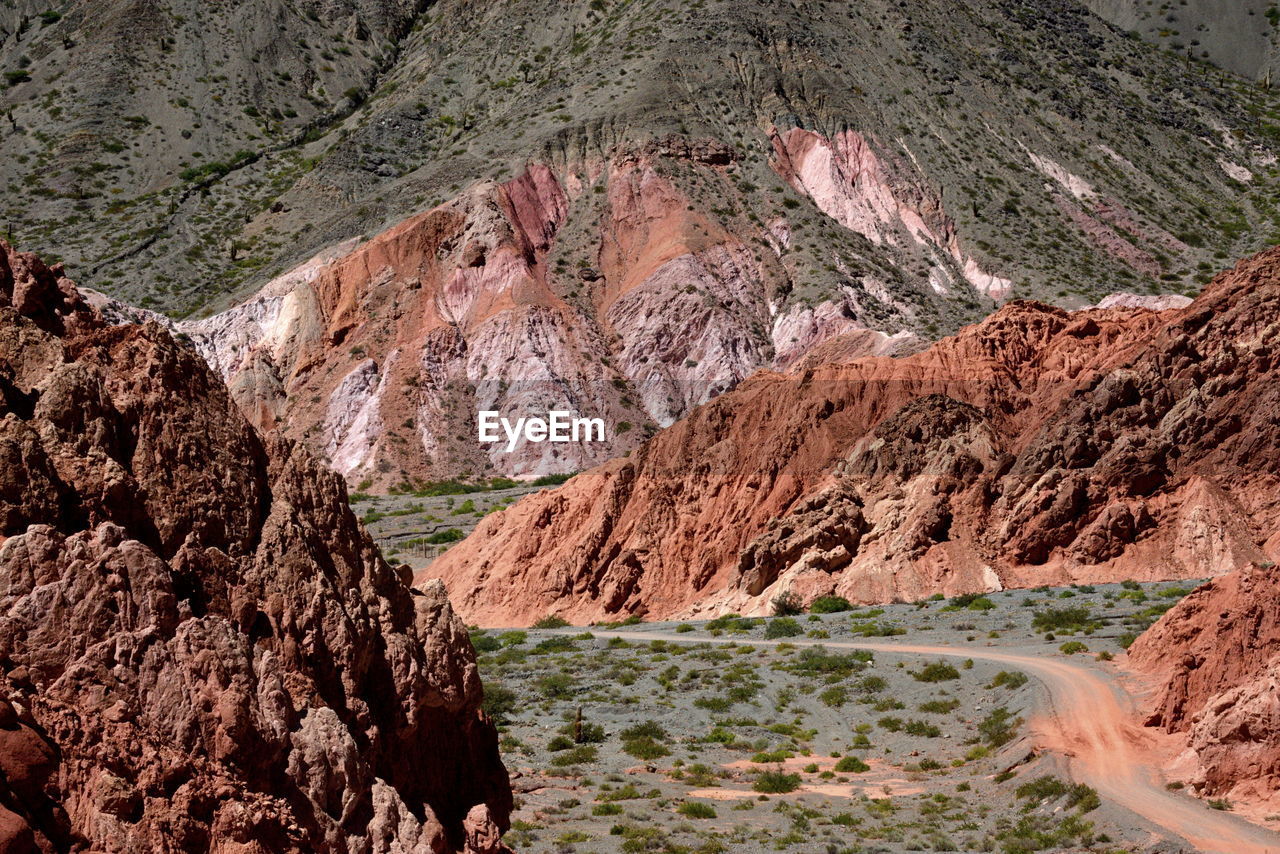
column 787, row 604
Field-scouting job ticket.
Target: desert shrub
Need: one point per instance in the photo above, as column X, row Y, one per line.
column 696, row 809
column 579, row 755
column 872, row 684
column 556, row 685
column 787, row 604
column 1072, row 647
column 999, row 728
column 486, row 643
column 559, row 643
column 1070, row 619
column 551, row 621
column 830, row 605
column 938, row 671
column 783, row 627
column 815, row 660
column 873, row 629
column 851, row 765
column 1009, row 679
column 776, row 783
column 939, row 707
column 510, row 639
column 835, row 696
column 645, row 748
column 646, row 729
column 499, row 702
column 1042, row 790
column 921, row 728
column 606, row 809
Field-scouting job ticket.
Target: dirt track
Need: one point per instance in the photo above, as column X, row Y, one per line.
column 1089, row 719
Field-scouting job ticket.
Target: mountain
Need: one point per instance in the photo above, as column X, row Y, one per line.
column 1214, row 656
column 621, row 205
column 1038, row 447
column 200, row 647
column 1242, row 36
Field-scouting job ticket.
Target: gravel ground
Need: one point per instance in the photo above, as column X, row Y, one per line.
column 621, row 745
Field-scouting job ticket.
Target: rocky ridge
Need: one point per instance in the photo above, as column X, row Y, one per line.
column 1215, row 655
column 200, row 647
column 1040, row 446
column 185, row 167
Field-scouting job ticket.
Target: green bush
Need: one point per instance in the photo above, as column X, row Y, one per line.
column 999, row 728
column 606, row 809
column 551, row 621
column 696, row 809
column 499, row 702
column 485, row 643
column 851, row 765
column 939, row 707
column 646, row 729
column 787, row 605
column 449, row 535
column 1009, row 679
column 1072, row 647
column 579, row 755
column 556, row 685
column 835, row 696
column 1072, row 619
column 938, row 671
column 776, row 783
column 921, row 728
column 782, row 627
column 644, row 748
column 830, row 605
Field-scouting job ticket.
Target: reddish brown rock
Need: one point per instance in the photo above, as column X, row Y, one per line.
column 201, row 648
column 1039, row 446
column 1217, row 657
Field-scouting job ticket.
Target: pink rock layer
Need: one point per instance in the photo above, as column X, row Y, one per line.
column 1037, row 447
column 200, row 647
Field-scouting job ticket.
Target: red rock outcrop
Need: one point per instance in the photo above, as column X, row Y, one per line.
column 200, row 647
column 1217, row 657
column 615, row 286
column 1039, row 446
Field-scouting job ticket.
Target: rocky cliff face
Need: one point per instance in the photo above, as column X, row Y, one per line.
column 380, row 355
column 622, row 208
column 201, row 648
column 194, row 153
column 1215, row 654
column 1039, row 446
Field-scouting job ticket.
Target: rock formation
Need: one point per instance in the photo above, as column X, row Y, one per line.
column 622, row 209
column 379, row 355
column 1216, row 656
column 200, row 647
column 1040, row 446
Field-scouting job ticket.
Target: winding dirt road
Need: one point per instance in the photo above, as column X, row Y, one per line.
column 1088, row 718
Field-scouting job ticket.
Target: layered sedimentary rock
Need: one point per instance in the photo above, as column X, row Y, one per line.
column 200, row 647
column 379, row 355
column 1217, row 657
column 1040, row 446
